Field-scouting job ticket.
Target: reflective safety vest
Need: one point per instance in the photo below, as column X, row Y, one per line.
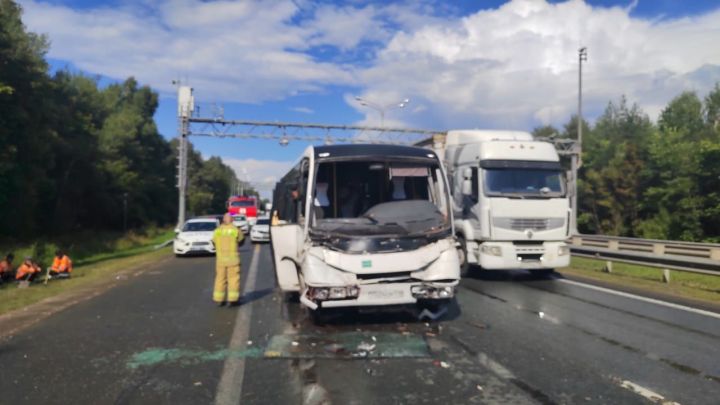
column 226, row 239
column 61, row 264
column 24, row 270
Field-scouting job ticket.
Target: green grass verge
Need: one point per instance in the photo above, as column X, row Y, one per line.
column 682, row 284
column 88, row 247
column 88, row 276
column 96, row 258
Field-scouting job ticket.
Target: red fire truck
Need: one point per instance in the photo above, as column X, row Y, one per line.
column 241, row 205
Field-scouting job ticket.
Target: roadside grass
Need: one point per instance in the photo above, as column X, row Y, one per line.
column 91, row 264
column 88, row 247
column 682, row 284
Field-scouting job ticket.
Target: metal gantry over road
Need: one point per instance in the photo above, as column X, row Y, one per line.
column 286, row 132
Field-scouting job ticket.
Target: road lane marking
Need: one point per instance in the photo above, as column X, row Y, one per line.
column 229, row 389
column 644, row 392
column 641, row 298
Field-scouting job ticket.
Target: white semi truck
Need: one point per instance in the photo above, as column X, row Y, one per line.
column 365, row 225
column 510, row 202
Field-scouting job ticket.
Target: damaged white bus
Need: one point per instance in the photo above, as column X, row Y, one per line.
column 365, row 225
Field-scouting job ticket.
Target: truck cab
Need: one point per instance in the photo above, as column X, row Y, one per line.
column 510, row 200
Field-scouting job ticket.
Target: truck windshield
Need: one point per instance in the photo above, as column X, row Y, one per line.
column 382, row 197
column 534, row 183
column 244, row 203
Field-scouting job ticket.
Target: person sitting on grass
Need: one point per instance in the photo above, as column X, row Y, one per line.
column 6, row 270
column 61, row 266
column 28, row 270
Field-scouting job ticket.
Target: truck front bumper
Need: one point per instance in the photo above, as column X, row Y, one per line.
column 508, row 255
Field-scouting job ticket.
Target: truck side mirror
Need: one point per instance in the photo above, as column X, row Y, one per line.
column 467, row 174
column 467, row 187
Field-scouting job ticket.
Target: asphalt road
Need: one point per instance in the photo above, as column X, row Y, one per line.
column 511, row 338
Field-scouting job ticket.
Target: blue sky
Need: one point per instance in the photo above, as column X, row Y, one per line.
column 464, row 63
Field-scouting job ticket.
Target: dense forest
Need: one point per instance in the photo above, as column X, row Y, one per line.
column 72, row 151
column 651, row 180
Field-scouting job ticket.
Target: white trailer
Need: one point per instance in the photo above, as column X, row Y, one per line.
column 365, row 225
column 510, row 200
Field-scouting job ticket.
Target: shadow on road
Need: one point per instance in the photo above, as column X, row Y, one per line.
column 381, row 316
column 256, row 295
column 512, row 275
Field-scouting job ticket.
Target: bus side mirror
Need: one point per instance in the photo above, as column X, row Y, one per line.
column 177, row 231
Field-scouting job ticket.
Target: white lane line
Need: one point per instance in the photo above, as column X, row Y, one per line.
column 644, row 392
column 229, row 389
column 495, row 367
column 641, row 298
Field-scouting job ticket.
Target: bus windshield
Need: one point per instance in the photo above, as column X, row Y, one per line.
column 382, row 197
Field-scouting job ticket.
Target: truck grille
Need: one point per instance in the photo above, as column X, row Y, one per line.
column 535, row 224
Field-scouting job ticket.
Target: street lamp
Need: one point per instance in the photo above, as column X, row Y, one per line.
column 382, row 108
column 576, row 159
column 582, row 57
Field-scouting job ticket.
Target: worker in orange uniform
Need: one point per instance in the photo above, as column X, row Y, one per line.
column 227, row 263
column 61, row 266
column 28, row 270
column 6, row 269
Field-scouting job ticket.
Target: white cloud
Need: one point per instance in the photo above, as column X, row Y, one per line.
column 304, row 110
column 261, row 174
column 516, row 66
column 245, row 51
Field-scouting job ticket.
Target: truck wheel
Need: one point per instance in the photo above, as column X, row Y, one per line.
column 463, row 257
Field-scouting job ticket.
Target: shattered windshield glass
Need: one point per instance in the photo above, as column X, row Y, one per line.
column 379, row 198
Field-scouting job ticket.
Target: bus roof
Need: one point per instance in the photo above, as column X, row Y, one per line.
column 332, row 151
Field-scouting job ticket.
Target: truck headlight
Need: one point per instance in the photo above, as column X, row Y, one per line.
column 563, row 250
column 491, row 250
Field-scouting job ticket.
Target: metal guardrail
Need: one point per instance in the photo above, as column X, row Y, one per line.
column 665, row 254
column 162, row 245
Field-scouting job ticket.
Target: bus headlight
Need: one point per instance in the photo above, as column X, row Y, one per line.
column 333, row 293
column 431, row 292
column 491, row 250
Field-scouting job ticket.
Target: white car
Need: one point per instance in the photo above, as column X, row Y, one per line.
column 195, row 237
column 241, row 222
column 260, row 232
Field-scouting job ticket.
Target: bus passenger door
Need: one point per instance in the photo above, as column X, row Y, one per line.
column 286, row 239
column 286, row 228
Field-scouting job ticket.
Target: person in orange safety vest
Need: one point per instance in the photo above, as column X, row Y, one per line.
column 61, row 266
column 6, row 269
column 28, row 270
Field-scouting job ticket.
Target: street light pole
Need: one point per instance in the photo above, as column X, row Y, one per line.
column 381, row 109
column 576, row 159
column 186, row 105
